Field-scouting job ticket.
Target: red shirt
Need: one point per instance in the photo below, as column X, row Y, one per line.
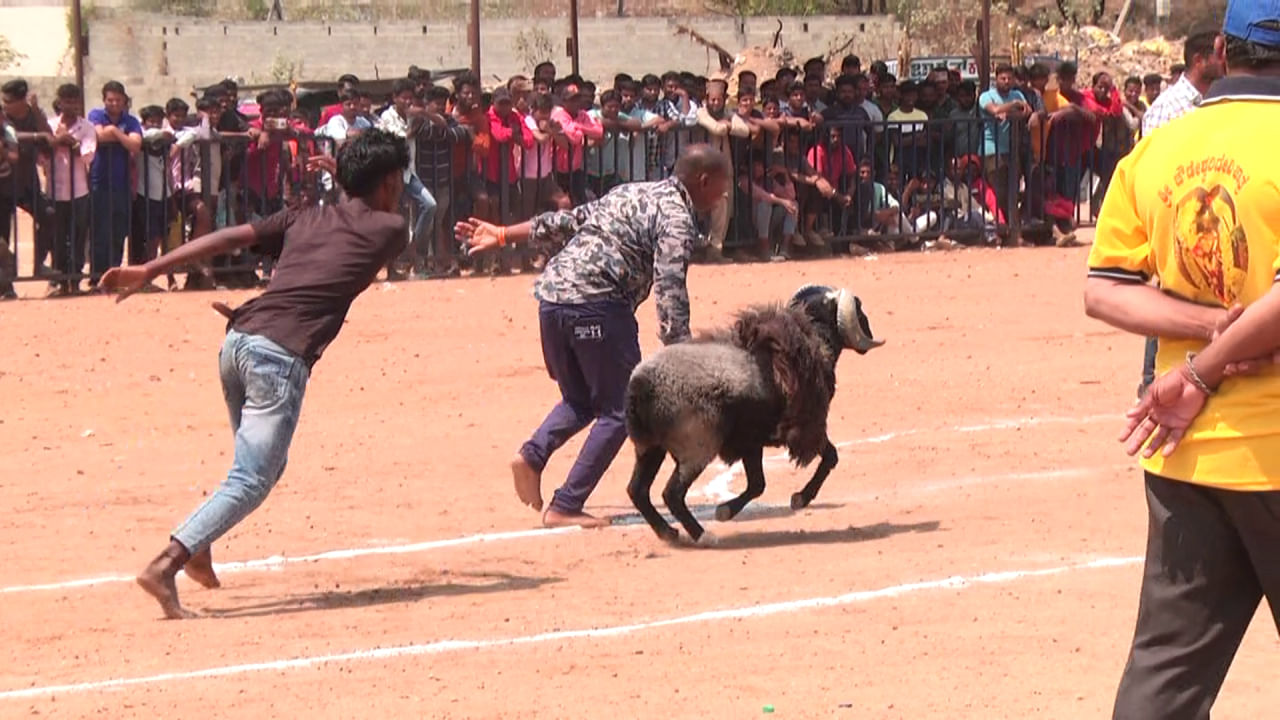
column 478, row 123
column 1071, row 136
column 1109, row 126
column 502, row 138
column 264, row 166
column 840, row 166
column 327, row 114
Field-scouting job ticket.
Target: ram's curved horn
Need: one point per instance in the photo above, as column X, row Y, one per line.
column 853, row 332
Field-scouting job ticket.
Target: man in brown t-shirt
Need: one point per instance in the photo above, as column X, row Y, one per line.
column 327, row 256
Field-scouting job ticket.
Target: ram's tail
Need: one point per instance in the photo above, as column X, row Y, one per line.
column 641, row 405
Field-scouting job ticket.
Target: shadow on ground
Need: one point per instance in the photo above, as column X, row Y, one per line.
column 707, row 512
column 469, row 584
column 784, row 538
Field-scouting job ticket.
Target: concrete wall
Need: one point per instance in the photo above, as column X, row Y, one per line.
column 39, row 34
column 158, row 57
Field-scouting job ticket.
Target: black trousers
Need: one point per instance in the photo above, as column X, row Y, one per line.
column 1211, row 558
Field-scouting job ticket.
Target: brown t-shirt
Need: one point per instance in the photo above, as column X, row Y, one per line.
column 34, row 122
column 328, row 256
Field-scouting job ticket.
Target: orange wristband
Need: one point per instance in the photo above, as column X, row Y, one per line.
column 502, row 237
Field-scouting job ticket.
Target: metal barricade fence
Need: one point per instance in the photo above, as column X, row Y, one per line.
column 900, row 183
column 790, row 182
column 68, row 221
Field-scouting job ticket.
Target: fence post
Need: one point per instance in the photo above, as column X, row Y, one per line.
column 1015, row 174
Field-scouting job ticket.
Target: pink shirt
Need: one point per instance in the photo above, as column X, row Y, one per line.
column 505, row 140
column 577, row 129
column 537, row 161
column 67, row 175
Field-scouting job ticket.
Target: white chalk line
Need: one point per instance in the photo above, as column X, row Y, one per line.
column 718, row 487
column 278, row 562
column 955, row 582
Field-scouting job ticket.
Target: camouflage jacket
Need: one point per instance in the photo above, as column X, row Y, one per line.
column 636, row 237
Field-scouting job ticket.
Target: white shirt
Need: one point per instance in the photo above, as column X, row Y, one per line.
column 153, row 169
column 1172, row 104
column 391, row 121
column 186, row 168
column 536, row 162
column 873, row 111
column 337, row 127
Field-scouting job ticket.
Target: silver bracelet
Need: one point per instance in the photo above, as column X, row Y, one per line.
column 1195, row 376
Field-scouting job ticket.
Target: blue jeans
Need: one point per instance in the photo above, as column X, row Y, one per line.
column 111, row 223
column 263, row 385
column 418, row 194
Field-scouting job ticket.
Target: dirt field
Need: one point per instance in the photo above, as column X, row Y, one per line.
column 974, row 555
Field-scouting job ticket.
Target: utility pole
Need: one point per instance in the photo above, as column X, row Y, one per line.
column 77, row 30
column 573, row 35
column 984, row 47
column 473, row 37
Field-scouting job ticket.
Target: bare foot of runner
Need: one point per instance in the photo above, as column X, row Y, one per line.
column 199, row 567
column 157, row 580
column 554, row 518
column 528, row 483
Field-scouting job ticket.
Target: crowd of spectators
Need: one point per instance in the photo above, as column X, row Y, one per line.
column 848, row 161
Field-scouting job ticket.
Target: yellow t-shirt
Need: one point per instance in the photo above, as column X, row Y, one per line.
column 1054, row 101
column 1197, row 206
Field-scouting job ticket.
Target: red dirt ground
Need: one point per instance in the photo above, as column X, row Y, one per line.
column 985, row 443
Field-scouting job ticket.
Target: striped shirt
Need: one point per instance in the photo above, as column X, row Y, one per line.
column 1173, row 103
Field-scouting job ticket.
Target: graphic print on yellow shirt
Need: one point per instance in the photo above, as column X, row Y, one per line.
column 1210, row 245
column 1199, row 209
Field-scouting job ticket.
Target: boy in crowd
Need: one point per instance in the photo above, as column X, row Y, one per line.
column 610, row 163
column 580, row 128
column 1151, row 84
column 8, row 161
column 437, row 140
column 721, row 127
column 110, row 181
column 31, row 128
column 197, row 175
column 155, row 191
column 400, row 120
column 912, row 128
column 75, row 143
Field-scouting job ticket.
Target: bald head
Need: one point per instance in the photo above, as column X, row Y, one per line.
column 700, row 159
column 704, row 172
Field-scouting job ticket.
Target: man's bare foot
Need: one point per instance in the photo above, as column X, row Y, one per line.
column 157, row 580
column 553, row 518
column 528, row 482
column 199, row 567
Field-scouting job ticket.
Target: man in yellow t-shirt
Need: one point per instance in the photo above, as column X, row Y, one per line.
column 1197, row 206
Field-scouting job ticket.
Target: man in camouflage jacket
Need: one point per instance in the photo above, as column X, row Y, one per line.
column 606, row 256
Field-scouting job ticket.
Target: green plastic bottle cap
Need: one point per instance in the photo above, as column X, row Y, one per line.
column 768, row 708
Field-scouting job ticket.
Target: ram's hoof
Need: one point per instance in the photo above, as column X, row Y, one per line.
column 707, row 540
column 799, row 501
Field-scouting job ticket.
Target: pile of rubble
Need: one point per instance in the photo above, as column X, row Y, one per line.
column 764, row 62
column 1100, row 50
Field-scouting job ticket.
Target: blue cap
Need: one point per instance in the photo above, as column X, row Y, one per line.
column 1257, row 21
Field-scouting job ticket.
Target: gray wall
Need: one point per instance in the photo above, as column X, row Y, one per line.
column 159, row 57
